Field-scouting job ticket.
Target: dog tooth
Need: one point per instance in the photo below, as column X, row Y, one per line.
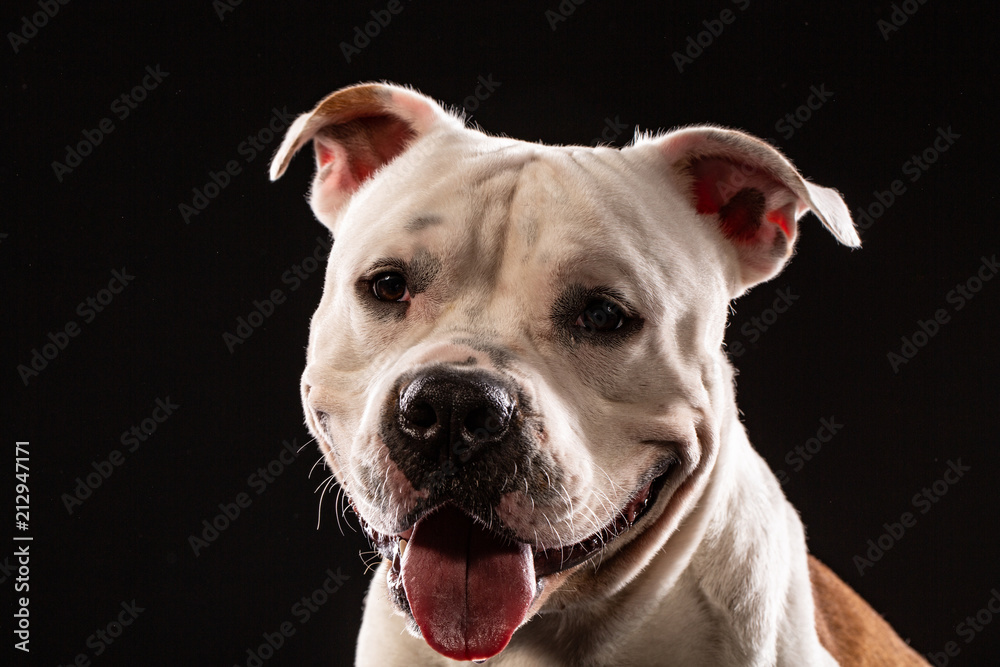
column 402, row 546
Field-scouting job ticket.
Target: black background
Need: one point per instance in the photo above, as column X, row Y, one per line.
column 558, row 82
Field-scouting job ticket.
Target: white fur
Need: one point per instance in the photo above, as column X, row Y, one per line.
column 717, row 574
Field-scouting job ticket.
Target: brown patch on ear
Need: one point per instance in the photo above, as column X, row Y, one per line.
column 850, row 630
column 345, row 103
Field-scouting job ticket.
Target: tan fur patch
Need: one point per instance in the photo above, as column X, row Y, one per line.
column 353, row 102
column 853, row 633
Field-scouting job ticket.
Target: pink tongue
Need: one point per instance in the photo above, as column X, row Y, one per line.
column 468, row 590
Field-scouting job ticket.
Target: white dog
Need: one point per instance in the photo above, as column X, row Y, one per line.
column 516, row 374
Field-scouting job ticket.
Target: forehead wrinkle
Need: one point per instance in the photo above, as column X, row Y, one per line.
column 486, row 298
column 423, row 222
column 485, row 165
column 491, row 193
column 471, row 229
column 590, row 229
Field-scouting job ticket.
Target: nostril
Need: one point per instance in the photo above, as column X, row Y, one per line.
column 421, row 414
column 483, row 422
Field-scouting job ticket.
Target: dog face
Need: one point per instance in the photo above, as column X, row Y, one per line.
column 515, row 366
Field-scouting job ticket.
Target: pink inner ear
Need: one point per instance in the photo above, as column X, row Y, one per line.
column 323, row 155
column 740, row 195
column 339, row 168
column 711, row 176
column 356, row 149
column 705, row 203
column 359, row 166
column 778, row 218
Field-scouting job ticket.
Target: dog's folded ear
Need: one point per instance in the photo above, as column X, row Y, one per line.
column 752, row 193
column 355, row 131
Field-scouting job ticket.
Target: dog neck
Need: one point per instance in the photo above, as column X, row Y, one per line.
column 748, row 582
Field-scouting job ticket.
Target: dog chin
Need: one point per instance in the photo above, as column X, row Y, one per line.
column 552, row 567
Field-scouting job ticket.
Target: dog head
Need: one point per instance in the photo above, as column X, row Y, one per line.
column 515, row 371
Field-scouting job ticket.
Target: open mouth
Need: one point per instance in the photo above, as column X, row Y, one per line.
column 552, row 561
column 469, row 588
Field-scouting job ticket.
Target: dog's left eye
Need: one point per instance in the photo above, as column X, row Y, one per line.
column 390, row 286
column 601, row 316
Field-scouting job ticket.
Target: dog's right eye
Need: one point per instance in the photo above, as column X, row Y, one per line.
column 390, row 286
column 601, row 316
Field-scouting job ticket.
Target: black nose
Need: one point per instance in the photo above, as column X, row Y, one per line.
column 454, row 415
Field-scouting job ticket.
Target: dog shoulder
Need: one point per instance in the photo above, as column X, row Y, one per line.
column 853, row 633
